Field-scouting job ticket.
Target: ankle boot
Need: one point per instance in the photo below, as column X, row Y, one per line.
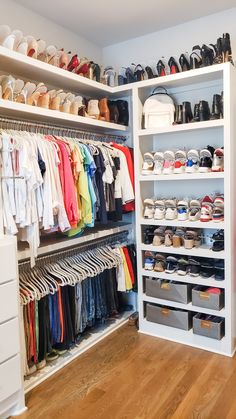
column 161, row 71
column 104, row 110
column 173, row 66
column 149, row 72
column 216, row 107
column 185, row 65
column 222, row 105
column 123, row 109
column 204, row 110
column 207, row 54
column 114, row 113
column 196, row 116
column 187, row 112
column 178, row 114
column 226, row 48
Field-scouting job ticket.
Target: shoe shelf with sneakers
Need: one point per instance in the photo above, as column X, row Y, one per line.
column 184, row 229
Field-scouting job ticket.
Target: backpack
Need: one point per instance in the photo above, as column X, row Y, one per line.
column 158, row 109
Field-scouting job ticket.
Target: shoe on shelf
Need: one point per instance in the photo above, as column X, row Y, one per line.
column 122, row 79
column 139, row 72
column 160, row 210
column 169, row 162
column 168, row 237
column 219, row 268
column 183, row 210
column 206, row 158
column 206, row 209
column 192, row 164
column 114, row 113
column 109, row 75
column 218, row 241
column 159, row 236
column 148, row 164
column 149, row 208
column 194, row 210
column 93, row 109
column 149, row 235
column 216, row 107
column 160, row 263
column 161, row 68
column 170, row 209
column 196, row 115
column 207, row 268
column 123, row 109
column 204, row 111
column 182, row 268
column 149, row 263
column 187, row 113
column 184, row 61
column 158, row 163
column 104, row 110
column 195, row 57
column 149, row 72
column 180, row 161
column 178, row 114
column 178, row 237
column 171, row 264
column 208, row 53
column 194, row 267
column 173, row 65
column 218, row 209
column 218, row 160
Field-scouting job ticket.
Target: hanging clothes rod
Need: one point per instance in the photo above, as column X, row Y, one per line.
column 118, row 237
column 49, row 128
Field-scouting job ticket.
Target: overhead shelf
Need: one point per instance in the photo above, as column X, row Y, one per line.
column 184, row 176
column 187, row 279
column 202, row 251
column 192, row 126
column 187, row 223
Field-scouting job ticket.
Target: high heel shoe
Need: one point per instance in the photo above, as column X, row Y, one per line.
column 149, row 72
column 41, row 89
column 187, row 113
column 104, row 110
column 109, row 75
column 7, row 87
column 122, row 79
column 172, row 63
column 226, row 48
column 94, row 71
column 129, row 75
column 74, row 63
column 32, row 50
column 64, row 59
column 184, row 62
column 195, row 57
column 77, row 105
column 138, row 72
column 83, row 67
column 7, row 37
column 161, row 70
column 208, row 54
column 26, row 92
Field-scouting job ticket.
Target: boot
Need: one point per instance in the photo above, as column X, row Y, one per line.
column 114, row 113
column 216, row 107
column 204, row 110
column 187, row 112
column 196, row 116
column 226, row 48
column 123, row 109
column 178, row 114
column 222, row 105
column 104, row 110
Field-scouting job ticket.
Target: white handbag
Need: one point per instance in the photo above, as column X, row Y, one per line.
column 158, row 109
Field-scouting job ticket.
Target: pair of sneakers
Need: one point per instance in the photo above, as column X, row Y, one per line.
column 212, row 209
column 207, row 160
column 160, row 209
column 164, row 163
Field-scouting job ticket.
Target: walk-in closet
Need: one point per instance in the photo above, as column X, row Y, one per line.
column 117, row 194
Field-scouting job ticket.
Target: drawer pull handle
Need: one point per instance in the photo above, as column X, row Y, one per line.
column 204, row 295
column 165, row 287
column 205, row 324
column 165, row 312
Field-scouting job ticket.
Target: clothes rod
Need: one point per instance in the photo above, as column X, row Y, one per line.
column 22, row 124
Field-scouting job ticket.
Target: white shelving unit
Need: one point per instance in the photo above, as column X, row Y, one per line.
column 194, row 85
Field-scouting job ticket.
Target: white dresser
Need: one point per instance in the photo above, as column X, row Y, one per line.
column 11, row 378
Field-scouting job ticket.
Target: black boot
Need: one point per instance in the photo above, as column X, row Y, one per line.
column 173, row 66
column 178, row 114
column 114, row 113
column 196, row 116
column 187, row 112
column 185, row 65
column 149, row 72
column 226, row 48
column 204, row 110
column 123, row 109
column 222, row 105
column 216, row 107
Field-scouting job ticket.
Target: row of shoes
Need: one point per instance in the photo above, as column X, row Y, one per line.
column 205, row 209
column 38, row 95
column 199, row 57
column 202, row 112
column 177, row 237
column 204, row 267
column 208, row 159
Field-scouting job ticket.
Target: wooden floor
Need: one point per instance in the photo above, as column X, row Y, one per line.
column 133, row 376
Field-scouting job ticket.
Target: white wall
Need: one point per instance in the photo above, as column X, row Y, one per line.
column 18, row 17
column 150, row 48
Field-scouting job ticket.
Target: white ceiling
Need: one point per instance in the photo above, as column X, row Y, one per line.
column 107, row 22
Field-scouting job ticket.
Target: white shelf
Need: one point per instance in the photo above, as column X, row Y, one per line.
column 187, row 223
column 54, row 242
column 208, row 282
column 192, row 126
column 185, row 337
column 96, row 336
column 184, row 176
column 20, row 110
column 188, row 307
column 203, row 251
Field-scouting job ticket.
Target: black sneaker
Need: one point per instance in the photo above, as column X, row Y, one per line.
column 206, row 159
column 182, row 266
column 193, row 267
column 218, row 241
column 171, row 264
column 148, row 235
column 219, row 266
column 207, row 268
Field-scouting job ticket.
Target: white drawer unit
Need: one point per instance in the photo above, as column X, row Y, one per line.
column 8, row 265
column 8, row 301
column 9, row 339
column 10, row 377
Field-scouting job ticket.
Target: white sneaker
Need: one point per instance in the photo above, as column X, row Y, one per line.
column 148, row 164
column 171, row 210
column 149, row 208
column 183, row 210
column 218, row 160
column 160, row 210
column 169, row 162
column 158, row 163
column 192, row 164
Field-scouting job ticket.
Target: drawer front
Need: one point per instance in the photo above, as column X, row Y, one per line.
column 168, row 291
column 207, row 300
column 207, row 328
column 9, row 339
column 168, row 317
column 8, row 265
column 10, row 377
column 8, row 301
